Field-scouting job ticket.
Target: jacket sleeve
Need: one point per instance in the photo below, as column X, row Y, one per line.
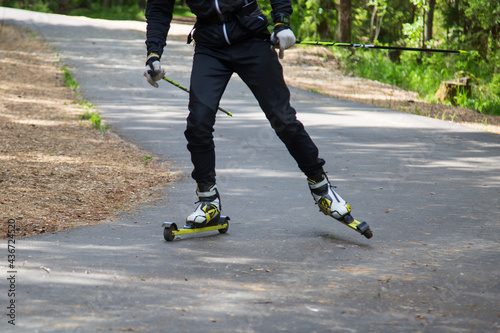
column 282, row 9
column 158, row 18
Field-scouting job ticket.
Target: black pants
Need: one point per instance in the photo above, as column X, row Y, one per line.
column 259, row 67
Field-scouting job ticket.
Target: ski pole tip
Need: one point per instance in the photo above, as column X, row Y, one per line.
column 226, row 112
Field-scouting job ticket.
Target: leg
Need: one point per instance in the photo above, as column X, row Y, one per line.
column 259, row 68
column 209, row 78
column 263, row 73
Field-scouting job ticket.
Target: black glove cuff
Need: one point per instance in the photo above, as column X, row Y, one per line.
column 280, row 27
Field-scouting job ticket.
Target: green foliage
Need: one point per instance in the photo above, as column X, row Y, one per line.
column 35, row 5
column 311, row 19
column 314, row 19
column 96, row 10
column 68, row 79
column 182, row 11
column 395, row 13
column 106, row 9
column 486, row 12
column 425, row 75
column 413, row 33
column 95, row 119
column 90, row 113
column 474, row 25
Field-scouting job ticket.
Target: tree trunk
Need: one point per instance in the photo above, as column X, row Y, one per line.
column 448, row 90
column 423, row 27
column 372, row 24
column 344, row 30
column 325, row 25
column 430, row 20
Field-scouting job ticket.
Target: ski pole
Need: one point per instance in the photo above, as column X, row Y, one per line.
column 366, row 46
column 187, row 90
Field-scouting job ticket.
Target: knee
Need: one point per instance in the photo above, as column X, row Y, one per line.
column 286, row 127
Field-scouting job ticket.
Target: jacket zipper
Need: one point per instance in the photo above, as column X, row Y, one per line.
column 224, row 30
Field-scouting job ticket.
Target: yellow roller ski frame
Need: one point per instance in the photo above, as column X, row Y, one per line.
column 171, row 230
column 361, row 227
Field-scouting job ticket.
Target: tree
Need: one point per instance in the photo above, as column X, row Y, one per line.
column 378, row 12
column 474, row 24
column 344, row 19
column 326, row 18
column 430, row 20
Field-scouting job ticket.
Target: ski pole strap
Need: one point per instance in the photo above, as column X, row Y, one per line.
column 367, row 46
column 187, row 90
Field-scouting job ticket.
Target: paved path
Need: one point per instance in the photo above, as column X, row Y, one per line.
column 429, row 189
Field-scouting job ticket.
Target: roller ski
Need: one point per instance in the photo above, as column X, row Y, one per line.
column 206, row 217
column 331, row 204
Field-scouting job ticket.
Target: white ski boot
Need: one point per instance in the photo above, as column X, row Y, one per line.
column 208, row 210
column 328, row 201
column 332, row 204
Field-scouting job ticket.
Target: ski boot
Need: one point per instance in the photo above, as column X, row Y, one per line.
column 331, row 204
column 206, row 217
column 208, row 211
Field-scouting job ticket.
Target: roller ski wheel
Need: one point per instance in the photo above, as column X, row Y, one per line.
column 223, row 221
column 168, row 232
column 171, row 230
column 361, row 227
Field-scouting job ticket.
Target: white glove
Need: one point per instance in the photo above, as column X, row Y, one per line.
column 153, row 71
column 286, row 39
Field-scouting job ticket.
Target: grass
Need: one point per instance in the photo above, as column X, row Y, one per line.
column 90, row 113
column 95, row 119
column 69, row 80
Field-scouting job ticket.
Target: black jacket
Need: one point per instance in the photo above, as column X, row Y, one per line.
column 219, row 22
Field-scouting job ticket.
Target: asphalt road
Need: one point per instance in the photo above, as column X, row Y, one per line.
column 428, row 188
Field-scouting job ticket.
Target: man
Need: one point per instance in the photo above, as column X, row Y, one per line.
column 232, row 36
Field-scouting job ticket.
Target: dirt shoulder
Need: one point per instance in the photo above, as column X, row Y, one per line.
column 316, row 69
column 58, row 172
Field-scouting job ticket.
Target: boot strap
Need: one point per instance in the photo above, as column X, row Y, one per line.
column 314, row 186
column 210, row 193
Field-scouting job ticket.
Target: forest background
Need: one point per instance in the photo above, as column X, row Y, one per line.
column 469, row 25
